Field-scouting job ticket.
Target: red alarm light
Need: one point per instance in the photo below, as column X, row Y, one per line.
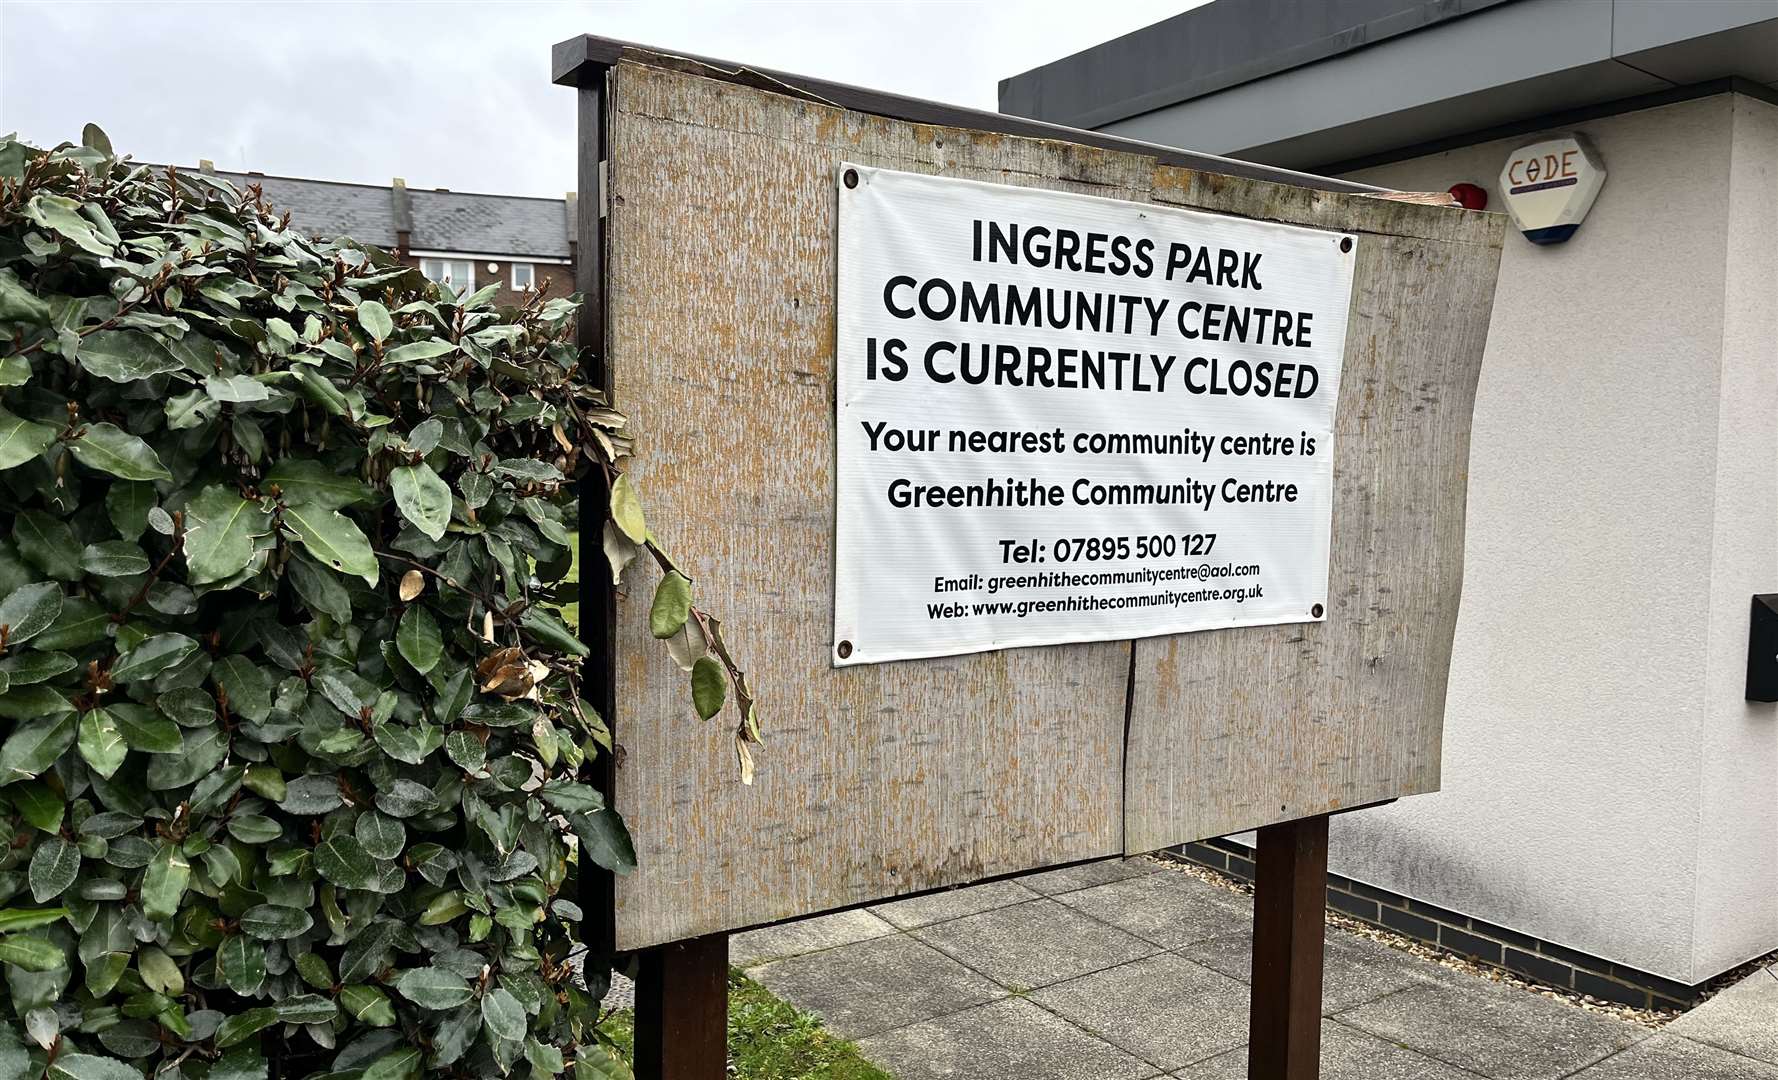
column 1470, row 196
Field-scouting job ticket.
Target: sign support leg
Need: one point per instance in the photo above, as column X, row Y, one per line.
column 682, row 1011
column 1289, row 901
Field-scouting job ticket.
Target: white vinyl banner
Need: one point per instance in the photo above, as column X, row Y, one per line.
column 1070, row 418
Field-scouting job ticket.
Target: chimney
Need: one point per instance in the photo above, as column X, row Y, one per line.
column 404, row 216
column 206, row 166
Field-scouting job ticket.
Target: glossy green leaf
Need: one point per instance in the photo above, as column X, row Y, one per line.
column 42, row 806
column 112, row 450
column 418, row 639
column 709, row 686
column 34, row 746
column 81, row 623
column 125, row 356
column 54, row 866
column 48, row 544
column 672, row 605
column 605, row 840
column 503, row 1015
column 308, row 482
column 244, row 1025
column 61, row 215
column 368, row 1004
column 102, row 743
column 164, row 883
column 343, row 861
column 200, row 750
column 26, row 668
column 416, row 351
column 435, row 988
column 21, row 439
column 422, row 497
column 334, row 540
column 570, row 797
column 219, row 531
column 400, row 1064
column 626, row 511
column 551, row 631
column 13, row 920
column 30, row 611
column 114, row 558
column 128, row 506
column 159, row 971
column 374, row 317
column 145, row 730
column 152, row 657
column 236, row 389
column 241, row 961
column 31, row 953
column 593, row 1062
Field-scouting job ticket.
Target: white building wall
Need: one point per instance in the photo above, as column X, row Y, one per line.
column 1737, row 896
column 1605, row 787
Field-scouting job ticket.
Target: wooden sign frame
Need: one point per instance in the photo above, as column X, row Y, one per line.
column 706, row 255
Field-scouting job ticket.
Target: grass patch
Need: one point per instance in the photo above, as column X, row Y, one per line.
column 571, row 612
column 769, row 1039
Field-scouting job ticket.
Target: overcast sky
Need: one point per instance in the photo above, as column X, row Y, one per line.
column 458, row 95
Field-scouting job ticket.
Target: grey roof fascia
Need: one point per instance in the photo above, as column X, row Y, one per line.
column 1495, row 66
column 1212, row 48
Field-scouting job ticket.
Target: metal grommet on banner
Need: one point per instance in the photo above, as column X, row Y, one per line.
column 1345, row 243
column 1316, row 611
column 845, row 649
column 851, row 178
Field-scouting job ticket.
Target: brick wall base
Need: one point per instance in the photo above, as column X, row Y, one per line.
column 1528, row 957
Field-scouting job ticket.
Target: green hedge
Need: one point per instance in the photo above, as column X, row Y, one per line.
column 293, row 756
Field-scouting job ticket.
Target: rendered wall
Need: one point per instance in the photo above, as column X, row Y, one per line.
column 1737, row 903
column 1605, row 784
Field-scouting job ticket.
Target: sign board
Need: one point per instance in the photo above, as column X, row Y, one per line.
column 1069, row 418
column 1549, row 186
column 718, row 297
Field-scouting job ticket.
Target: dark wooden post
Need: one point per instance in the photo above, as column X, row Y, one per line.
column 1289, row 902
column 682, row 1011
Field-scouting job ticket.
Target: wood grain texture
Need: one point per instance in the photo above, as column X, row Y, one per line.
column 1246, row 727
column 885, row 780
column 874, row 781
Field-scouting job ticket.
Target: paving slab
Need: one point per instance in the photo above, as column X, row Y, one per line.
column 1742, row 1018
column 757, row 947
column 1497, row 1030
column 951, row 904
column 871, row 986
column 1354, row 969
column 1345, row 1055
column 1031, row 945
column 1169, row 908
column 1669, row 1057
column 1086, row 875
column 1008, row 1040
column 1163, row 1009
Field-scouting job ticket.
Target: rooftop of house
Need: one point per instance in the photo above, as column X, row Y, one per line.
column 435, row 219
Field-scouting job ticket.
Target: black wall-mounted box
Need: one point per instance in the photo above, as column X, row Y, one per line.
column 1762, row 649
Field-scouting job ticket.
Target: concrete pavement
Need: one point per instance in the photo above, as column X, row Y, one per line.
column 1137, row 969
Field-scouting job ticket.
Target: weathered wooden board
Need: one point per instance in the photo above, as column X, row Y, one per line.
column 879, row 781
column 1246, row 727
column 874, row 781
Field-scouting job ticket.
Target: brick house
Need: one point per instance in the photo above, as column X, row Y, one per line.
column 458, row 238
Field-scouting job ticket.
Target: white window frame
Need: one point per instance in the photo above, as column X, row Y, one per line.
column 436, row 268
column 530, row 273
